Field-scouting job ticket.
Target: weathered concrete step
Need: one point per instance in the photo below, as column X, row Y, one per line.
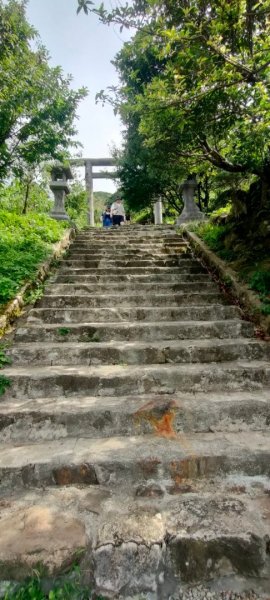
column 132, row 353
column 109, row 237
column 129, row 262
column 100, row 253
column 181, row 269
column 137, row 227
column 157, row 242
column 126, row 249
column 97, row 277
column 151, row 332
column 116, row 235
column 88, row 416
column 107, row 380
column 131, row 240
column 111, row 287
column 151, row 313
column 128, row 460
column 126, row 300
column 184, row 537
column 120, row 256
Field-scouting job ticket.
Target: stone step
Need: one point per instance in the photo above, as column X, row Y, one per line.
column 131, row 240
column 88, row 416
column 133, row 460
column 124, row 250
column 129, row 300
column 138, row 279
column 128, row 256
column 129, row 262
column 118, row 271
column 145, row 288
column 151, row 313
column 107, row 380
column 151, row 332
column 112, row 234
column 132, row 353
column 171, row 534
column 136, row 227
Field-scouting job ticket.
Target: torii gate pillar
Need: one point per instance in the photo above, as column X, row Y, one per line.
column 90, row 192
column 158, row 212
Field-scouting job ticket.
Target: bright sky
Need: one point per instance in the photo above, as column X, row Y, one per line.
column 84, row 48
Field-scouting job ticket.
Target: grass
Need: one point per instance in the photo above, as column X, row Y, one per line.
column 34, row 589
column 4, row 359
column 63, row 331
column 260, row 282
column 4, row 384
column 247, row 255
column 35, row 294
column 25, row 242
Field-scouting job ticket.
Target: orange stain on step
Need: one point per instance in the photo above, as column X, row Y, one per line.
column 161, row 417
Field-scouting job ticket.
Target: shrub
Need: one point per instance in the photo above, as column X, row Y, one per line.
column 260, row 282
column 25, row 241
column 214, row 236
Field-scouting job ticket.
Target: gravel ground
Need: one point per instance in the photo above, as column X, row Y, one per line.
column 202, row 593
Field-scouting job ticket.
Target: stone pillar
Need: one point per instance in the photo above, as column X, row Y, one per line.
column 90, row 192
column 191, row 211
column 158, row 212
column 60, row 189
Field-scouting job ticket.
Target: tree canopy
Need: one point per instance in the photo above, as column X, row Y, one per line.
column 194, row 84
column 37, row 105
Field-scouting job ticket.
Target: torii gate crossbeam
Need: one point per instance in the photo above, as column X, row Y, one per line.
column 89, row 163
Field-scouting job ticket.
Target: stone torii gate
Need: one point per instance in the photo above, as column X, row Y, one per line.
column 89, row 163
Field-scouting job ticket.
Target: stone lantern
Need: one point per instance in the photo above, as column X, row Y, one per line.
column 191, row 211
column 60, row 188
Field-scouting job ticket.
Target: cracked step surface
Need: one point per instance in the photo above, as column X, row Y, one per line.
column 147, row 331
column 129, row 300
column 126, row 314
column 147, row 288
column 155, row 468
column 91, row 353
column 120, row 460
column 135, row 278
column 139, row 379
column 95, row 416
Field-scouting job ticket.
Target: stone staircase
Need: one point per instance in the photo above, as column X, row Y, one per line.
column 135, row 433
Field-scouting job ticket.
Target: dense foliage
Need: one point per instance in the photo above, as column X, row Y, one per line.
column 77, row 205
column 20, row 197
column 194, row 90
column 33, row 589
column 37, row 105
column 25, row 241
column 236, row 246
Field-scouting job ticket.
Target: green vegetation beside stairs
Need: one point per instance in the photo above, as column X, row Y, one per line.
column 247, row 252
column 25, row 242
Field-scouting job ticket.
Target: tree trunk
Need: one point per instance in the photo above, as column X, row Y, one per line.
column 26, row 197
column 265, row 190
column 200, row 196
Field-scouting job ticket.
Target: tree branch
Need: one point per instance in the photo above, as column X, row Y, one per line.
column 219, row 161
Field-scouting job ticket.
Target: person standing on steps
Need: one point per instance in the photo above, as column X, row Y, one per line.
column 106, row 217
column 118, row 212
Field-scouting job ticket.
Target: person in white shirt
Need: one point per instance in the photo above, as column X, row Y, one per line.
column 118, row 212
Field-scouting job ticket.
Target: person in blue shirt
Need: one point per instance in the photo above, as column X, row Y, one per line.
column 106, row 217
